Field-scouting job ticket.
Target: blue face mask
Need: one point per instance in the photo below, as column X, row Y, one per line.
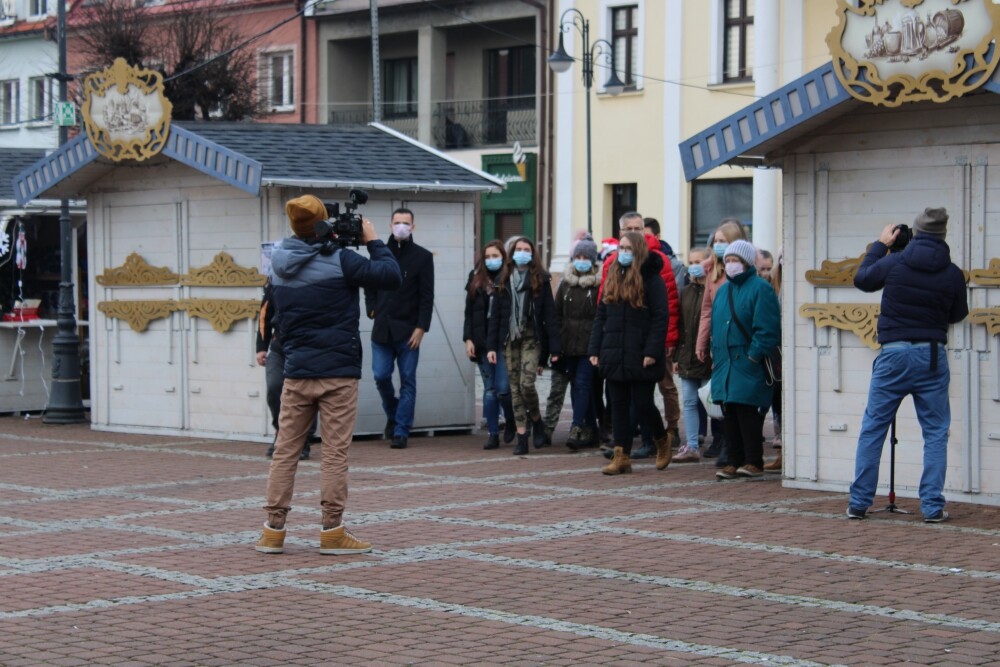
column 583, row 265
column 625, row 257
column 493, row 263
column 696, row 271
column 720, row 249
column 522, row 257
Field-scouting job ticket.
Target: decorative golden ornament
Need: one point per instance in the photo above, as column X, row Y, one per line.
column 887, row 52
column 860, row 318
column 222, row 313
column 224, row 272
column 138, row 314
column 135, row 271
column 990, row 317
column 989, row 276
column 125, row 113
column 835, row 274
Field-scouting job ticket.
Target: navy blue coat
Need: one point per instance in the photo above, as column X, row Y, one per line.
column 923, row 291
column 317, row 304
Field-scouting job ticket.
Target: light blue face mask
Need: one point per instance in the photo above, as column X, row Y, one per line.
column 522, row 257
column 583, row 265
column 696, row 271
column 493, row 263
column 625, row 257
column 720, row 249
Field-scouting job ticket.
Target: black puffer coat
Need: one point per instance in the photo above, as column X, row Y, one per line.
column 479, row 308
column 623, row 335
column 576, row 305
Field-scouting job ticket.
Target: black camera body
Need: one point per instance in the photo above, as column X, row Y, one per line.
column 343, row 228
column 903, row 238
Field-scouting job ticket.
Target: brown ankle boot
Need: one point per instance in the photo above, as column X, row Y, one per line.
column 620, row 463
column 664, row 450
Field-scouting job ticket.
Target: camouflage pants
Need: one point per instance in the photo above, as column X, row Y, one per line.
column 521, row 357
column 557, row 398
column 671, row 402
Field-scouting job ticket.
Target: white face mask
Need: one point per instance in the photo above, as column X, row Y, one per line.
column 401, row 231
column 734, row 269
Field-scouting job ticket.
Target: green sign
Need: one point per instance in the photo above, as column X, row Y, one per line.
column 65, row 114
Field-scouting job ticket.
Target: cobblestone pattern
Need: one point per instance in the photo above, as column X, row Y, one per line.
column 123, row 549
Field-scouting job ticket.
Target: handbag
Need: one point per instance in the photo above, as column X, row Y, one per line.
column 772, row 374
column 714, row 410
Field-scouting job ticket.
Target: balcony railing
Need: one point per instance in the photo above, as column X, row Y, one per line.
column 459, row 123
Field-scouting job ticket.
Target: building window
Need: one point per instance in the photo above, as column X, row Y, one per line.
column 40, row 101
column 712, row 200
column 737, row 56
column 8, row 102
column 624, row 199
column 399, row 88
column 280, row 73
column 510, row 87
column 625, row 38
column 38, row 7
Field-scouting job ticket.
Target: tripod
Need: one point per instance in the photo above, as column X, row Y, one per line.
column 891, row 507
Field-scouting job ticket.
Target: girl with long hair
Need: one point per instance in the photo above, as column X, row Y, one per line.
column 528, row 328
column 626, row 345
column 487, row 282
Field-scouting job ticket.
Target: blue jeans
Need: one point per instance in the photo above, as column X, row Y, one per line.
column 581, row 377
column 496, row 387
column 400, row 410
column 693, row 419
column 903, row 368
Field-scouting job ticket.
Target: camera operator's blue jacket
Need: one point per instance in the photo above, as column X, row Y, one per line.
column 317, row 304
column 923, row 291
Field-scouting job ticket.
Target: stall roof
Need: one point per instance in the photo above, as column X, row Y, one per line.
column 13, row 161
column 751, row 133
column 251, row 155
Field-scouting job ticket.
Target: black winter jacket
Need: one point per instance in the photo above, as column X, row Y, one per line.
column 923, row 291
column 544, row 317
column 398, row 312
column 576, row 306
column 479, row 309
column 623, row 335
column 317, row 304
column 688, row 365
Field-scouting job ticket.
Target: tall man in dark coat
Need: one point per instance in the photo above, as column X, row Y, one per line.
column 923, row 293
column 402, row 317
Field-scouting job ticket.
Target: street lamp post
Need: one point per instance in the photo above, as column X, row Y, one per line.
column 65, row 402
column 560, row 61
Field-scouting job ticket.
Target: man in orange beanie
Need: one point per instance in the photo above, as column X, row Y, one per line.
column 317, row 312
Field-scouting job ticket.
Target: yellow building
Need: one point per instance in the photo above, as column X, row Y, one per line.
column 685, row 64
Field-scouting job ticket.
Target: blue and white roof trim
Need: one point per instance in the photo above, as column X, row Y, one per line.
column 803, row 99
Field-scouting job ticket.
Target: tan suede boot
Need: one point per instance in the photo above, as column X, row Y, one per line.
column 620, row 463
column 664, row 450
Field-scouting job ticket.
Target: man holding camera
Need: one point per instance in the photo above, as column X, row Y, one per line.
column 315, row 285
column 402, row 317
column 923, row 293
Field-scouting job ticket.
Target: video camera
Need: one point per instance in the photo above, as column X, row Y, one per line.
column 343, row 229
column 904, row 237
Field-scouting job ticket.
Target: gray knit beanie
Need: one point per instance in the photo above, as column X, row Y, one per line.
column 744, row 250
column 933, row 221
column 587, row 248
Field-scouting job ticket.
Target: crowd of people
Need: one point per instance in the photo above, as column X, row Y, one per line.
column 626, row 317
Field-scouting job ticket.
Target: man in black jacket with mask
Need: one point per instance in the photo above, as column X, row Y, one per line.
column 402, row 317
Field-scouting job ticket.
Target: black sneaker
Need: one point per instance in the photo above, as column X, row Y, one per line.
column 492, row 442
column 856, row 513
column 398, row 442
column 538, row 438
column 713, row 450
column 646, row 451
column 270, row 452
column 390, row 430
column 938, row 517
column 304, row 455
column 509, row 431
column 522, row 444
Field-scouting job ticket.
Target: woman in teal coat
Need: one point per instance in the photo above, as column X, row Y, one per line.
column 746, row 327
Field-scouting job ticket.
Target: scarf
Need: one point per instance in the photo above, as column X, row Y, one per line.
column 519, row 285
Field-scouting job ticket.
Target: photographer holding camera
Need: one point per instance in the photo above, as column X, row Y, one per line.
column 923, row 293
column 316, row 283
